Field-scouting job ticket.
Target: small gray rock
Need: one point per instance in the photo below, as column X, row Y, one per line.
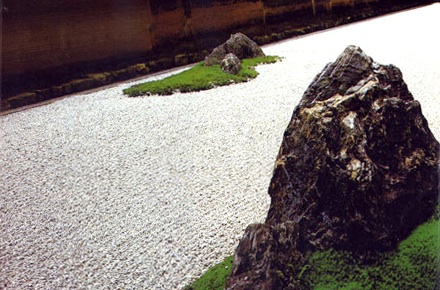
column 231, row 64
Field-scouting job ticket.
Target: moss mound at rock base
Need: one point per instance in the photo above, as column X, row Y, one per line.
column 214, row 278
column 413, row 265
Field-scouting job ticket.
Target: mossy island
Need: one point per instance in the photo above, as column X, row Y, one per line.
column 199, row 78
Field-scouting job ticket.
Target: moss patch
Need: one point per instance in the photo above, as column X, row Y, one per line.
column 214, row 278
column 198, row 78
column 413, row 265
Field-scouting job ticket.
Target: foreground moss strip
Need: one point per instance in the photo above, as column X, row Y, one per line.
column 214, row 278
column 198, row 78
column 413, row 265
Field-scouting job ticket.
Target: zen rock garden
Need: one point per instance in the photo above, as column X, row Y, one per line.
column 189, row 179
column 358, row 170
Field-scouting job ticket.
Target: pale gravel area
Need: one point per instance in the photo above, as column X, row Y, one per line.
column 100, row 191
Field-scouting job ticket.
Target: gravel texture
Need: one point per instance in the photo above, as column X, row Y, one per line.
column 100, row 191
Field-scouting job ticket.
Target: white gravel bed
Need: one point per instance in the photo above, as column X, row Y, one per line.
column 101, row 191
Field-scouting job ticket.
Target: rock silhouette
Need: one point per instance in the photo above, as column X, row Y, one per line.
column 358, row 170
column 238, row 44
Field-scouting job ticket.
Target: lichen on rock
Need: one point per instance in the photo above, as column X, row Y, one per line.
column 358, row 170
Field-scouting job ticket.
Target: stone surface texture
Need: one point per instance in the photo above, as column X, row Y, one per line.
column 358, row 169
column 238, row 44
column 231, row 64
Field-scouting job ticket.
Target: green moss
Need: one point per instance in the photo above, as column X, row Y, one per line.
column 413, row 265
column 198, row 78
column 214, row 278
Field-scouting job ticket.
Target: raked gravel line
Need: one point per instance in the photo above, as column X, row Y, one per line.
column 100, row 191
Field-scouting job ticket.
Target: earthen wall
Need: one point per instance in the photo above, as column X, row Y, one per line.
column 46, row 42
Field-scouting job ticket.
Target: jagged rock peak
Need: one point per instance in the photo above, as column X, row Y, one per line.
column 358, row 169
column 352, row 69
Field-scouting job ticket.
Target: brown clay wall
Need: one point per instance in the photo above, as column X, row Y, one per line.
column 56, row 47
column 220, row 17
column 167, row 22
column 47, row 33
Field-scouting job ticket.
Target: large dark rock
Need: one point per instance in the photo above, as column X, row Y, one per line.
column 238, row 44
column 358, row 169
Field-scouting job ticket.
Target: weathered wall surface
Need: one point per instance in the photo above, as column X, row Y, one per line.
column 47, row 43
column 47, row 33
